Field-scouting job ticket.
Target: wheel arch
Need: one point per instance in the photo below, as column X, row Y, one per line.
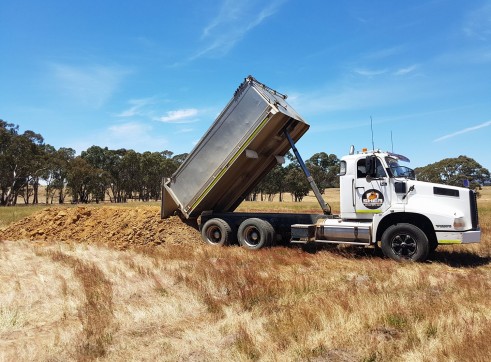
column 421, row 221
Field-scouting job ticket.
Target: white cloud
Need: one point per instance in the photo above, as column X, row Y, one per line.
column 407, row 70
column 356, row 96
column 180, row 116
column 131, row 129
column 185, row 130
column 384, row 53
column 137, row 107
column 478, row 23
column 89, row 85
column 234, row 20
column 476, row 56
column 131, row 135
column 465, row 130
column 370, row 72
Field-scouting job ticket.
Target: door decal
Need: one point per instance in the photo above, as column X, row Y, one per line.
column 372, row 199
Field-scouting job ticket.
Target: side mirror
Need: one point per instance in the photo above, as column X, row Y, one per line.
column 371, row 166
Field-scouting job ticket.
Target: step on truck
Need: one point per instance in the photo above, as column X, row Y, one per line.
column 381, row 203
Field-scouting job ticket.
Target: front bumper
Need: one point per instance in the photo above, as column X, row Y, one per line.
column 456, row 237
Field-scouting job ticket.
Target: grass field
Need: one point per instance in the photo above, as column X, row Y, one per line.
column 191, row 302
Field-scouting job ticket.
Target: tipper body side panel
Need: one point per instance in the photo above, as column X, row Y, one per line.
column 235, row 154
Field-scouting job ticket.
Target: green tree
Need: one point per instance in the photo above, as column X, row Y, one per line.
column 36, row 164
column 85, row 181
column 61, row 165
column 131, row 173
column 273, row 183
column 453, row 171
column 154, row 166
column 324, row 169
column 100, row 158
column 179, row 159
column 47, row 174
column 296, row 182
column 19, row 162
column 111, row 162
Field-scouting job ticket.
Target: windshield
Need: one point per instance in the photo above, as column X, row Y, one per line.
column 398, row 170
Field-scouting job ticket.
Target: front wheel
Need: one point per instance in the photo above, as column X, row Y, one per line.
column 405, row 242
column 433, row 245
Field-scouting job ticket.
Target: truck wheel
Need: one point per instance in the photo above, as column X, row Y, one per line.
column 216, row 232
column 255, row 234
column 405, row 242
column 433, row 245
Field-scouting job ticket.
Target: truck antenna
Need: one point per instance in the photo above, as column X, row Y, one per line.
column 391, row 141
column 371, row 126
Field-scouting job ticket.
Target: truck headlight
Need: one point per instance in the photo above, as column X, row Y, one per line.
column 459, row 223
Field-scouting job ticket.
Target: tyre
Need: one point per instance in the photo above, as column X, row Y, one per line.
column 433, row 245
column 216, row 232
column 255, row 234
column 405, row 242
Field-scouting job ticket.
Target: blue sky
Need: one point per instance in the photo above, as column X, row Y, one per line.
column 153, row 75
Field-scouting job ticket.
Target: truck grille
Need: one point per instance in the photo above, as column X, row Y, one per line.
column 474, row 213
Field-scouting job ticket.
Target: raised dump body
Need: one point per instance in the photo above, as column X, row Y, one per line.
column 243, row 144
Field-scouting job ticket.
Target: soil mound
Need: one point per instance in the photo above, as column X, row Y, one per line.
column 117, row 226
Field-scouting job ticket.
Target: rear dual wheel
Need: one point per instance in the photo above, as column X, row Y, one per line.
column 216, row 232
column 255, row 234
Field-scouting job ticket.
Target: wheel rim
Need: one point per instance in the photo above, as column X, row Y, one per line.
column 404, row 245
column 252, row 237
column 214, row 234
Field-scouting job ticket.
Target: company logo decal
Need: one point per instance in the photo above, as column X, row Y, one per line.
column 372, row 199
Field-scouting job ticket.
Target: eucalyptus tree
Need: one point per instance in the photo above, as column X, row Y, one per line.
column 59, row 167
column 454, row 171
column 19, row 162
column 324, row 168
column 273, row 183
column 85, row 181
column 296, row 183
column 154, row 166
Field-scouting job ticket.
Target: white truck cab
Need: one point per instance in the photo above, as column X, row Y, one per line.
column 384, row 197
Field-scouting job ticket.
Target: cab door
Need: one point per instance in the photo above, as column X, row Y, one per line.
column 372, row 192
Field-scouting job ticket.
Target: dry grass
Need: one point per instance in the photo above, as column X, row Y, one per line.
column 308, row 205
column 9, row 215
column 316, row 306
column 67, row 301
column 96, row 313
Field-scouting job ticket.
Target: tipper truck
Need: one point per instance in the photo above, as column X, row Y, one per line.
column 382, row 204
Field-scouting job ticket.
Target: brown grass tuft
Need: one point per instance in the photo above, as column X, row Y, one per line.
column 97, row 313
column 245, row 344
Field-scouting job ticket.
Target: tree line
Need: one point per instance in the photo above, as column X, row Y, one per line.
column 101, row 174
column 323, row 167
column 97, row 174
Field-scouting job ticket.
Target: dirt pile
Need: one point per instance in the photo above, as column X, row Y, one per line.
column 116, row 226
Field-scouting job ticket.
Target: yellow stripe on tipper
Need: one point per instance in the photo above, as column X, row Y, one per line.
column 368, row 211
column 449, row 241
column 236, row 155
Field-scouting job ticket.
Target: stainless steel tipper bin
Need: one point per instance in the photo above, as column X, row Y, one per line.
column 243, row 144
